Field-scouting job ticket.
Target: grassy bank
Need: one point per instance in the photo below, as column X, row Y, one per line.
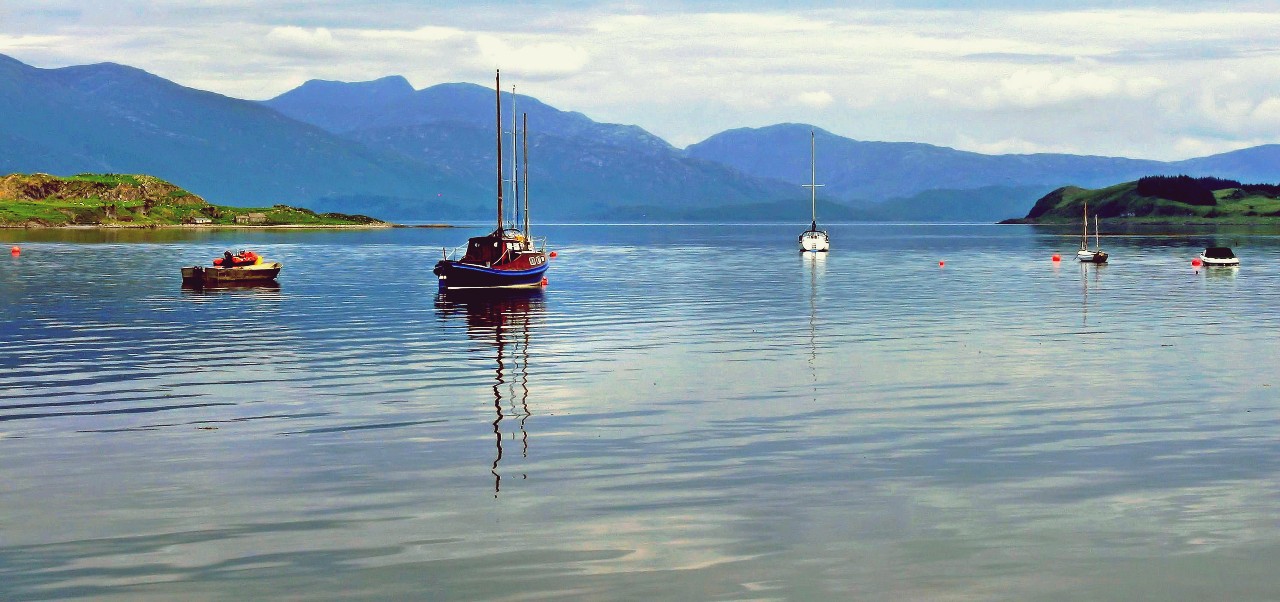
column 128, row 200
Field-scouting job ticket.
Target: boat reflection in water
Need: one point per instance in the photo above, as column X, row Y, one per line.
column 266, row 289
column 504, row 319
column 1085, row 285
column 817, row 267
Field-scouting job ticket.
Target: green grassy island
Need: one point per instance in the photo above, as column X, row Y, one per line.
column 1162, row 200
column 123, row 200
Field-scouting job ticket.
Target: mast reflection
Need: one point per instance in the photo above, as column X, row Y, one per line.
column 505, row 321
column 1085, row 268
column 817, row 264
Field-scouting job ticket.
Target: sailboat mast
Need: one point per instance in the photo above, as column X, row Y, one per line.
column 813, row 179
column 524, row 154
column 813, row 184
column 1084, row 237
column 1097, row 238
column 497, row 93
column 515, row 161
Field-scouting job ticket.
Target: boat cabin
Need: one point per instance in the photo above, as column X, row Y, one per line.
column 491, row 249
column 1219, row 253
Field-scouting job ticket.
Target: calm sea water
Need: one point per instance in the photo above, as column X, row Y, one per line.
column 686, row 413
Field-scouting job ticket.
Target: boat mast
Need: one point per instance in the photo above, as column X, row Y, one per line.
column 524, row 154
column 813, row 184
column 1097, row 238
column 515, row 162
column 497, row 93
column 1084, row 238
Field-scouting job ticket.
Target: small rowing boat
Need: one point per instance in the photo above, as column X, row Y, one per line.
column 246, row 267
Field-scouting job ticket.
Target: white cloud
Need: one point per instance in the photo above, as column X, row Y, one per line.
column 818, row 100
column 1267, row 113
column 20, row 43
column 302, row 41
column 1036, row 88
column 1143, row 86
column 537, row 59
column 1011, row 146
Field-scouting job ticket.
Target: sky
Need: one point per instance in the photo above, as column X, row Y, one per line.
column 1163, row 80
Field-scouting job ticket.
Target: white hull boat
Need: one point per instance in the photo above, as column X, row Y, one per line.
column 813, row 240
column 1219, row 256
column 1084, row 255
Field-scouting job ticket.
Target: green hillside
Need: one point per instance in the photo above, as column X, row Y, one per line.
column 122, row 200
column 1162, row 199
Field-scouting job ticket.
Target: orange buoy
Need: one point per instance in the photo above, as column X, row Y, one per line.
column 1194, row 262
column 553, row 253
column 544, row 282
column 15, row 250
column 1057, row 257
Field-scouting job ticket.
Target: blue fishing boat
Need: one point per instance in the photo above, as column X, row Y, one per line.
column 508, row 257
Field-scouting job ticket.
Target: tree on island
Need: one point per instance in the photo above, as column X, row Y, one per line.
column 1182, row 189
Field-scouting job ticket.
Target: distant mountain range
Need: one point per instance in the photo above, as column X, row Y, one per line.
column 113, row 118
column 382, row 148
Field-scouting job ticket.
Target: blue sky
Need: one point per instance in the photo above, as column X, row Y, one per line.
column 1167, row 80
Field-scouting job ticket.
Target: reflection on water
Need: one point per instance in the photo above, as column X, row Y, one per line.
column 1089, row 271
column 701, row 416
column 816, row 264
column 263, row 290
column 1219, row 272
column 506, row 319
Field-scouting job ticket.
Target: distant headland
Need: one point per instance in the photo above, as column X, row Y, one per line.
column 141, row 201
column 1162, row 200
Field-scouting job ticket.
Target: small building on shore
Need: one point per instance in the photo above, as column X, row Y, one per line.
column 252, row 219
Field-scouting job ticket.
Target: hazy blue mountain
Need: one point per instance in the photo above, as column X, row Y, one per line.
column 113, row 118
column 853, row 169
column 1257, row 165
column 382, row 148
column 578, row 168
column 340, row 106
column 383, row 104
column 986, row 204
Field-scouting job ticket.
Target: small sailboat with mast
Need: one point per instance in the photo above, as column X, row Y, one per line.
column 509, row 257
column 1097, row 255
column 813, row 239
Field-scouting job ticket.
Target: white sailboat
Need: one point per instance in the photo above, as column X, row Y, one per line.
column 813, row 239
column 1097, row 255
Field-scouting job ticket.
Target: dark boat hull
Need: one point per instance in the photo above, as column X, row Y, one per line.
column 1092, row 256
column 457, row 275
column 218, row 276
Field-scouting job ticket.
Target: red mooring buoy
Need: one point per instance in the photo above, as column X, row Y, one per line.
column 1194, row 262
column 941, row 263
column 15, row 250
column 553, row 253
column 544, row 282
column 1057, row 257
